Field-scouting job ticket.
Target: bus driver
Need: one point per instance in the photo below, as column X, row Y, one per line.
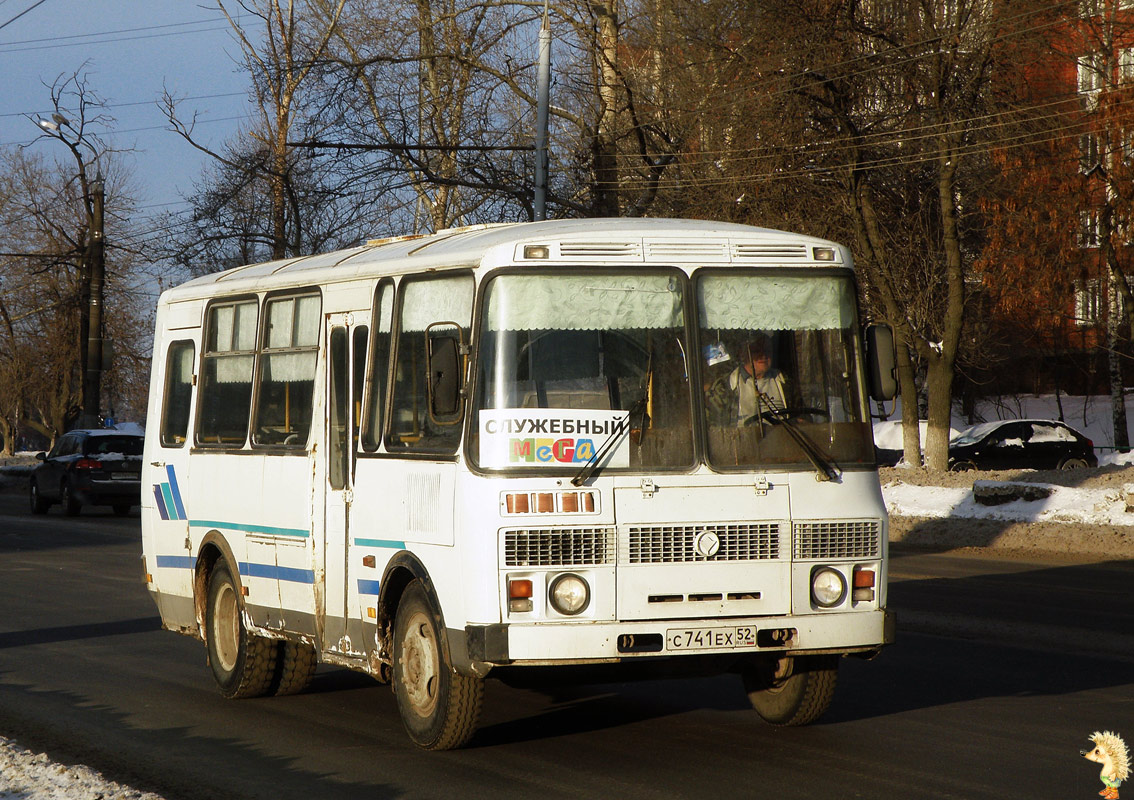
column 753, row 377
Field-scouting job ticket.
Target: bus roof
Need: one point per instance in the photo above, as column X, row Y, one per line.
column 573, row 241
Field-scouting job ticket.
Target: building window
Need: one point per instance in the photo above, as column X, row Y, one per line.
column 1090, row 78
column 1088, row 229
column 1126, row 64
column 1089, row 156
column 1088, row 303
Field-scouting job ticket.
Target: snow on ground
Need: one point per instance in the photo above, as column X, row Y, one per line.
column 25, row 775
column 1066, row 504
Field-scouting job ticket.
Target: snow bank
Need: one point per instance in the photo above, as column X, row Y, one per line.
column 25, row 775
column 1067, row 505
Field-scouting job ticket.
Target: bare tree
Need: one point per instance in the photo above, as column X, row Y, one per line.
column 279, row 62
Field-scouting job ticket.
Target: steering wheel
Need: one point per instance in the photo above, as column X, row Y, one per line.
column 776, row 417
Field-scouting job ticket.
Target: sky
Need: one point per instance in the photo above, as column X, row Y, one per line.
column 129, row 50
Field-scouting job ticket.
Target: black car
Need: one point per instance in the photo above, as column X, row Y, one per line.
column 89, row 467
column 1021, row 444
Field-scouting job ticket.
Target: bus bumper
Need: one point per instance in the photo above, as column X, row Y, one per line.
column 599, row 642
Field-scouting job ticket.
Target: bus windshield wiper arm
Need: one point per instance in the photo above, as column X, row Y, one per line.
column 826, row 468
column 591, row 466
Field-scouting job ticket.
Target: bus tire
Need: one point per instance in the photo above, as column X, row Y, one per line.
column 243, row 664
column 439, row 707
column 295, row 667
column 792, row 691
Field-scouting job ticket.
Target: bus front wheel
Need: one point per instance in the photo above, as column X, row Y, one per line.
column 243, row 664
column 792, row 691
column 439, row 707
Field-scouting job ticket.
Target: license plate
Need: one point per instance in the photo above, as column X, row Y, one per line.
column 123, row 476
column 710, row 638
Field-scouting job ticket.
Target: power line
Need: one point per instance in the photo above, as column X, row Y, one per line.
column 110, row 41
column 13, row 19
column 113, row 106
column 56, row 39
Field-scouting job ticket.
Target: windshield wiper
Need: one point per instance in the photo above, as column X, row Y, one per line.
column 825, row 468
column 588, row 469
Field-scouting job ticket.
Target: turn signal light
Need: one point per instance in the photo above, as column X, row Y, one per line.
column 863, row 584
column 520, row 595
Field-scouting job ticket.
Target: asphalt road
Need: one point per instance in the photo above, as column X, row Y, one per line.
column 996, row 704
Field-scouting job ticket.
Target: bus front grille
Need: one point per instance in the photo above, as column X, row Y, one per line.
column 823, row 540
column 559, row 547
column 675, row 544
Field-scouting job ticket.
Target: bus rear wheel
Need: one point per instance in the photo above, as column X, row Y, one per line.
column 792, row 691
column 439, row 707
column 243, row 664
column 295, row 668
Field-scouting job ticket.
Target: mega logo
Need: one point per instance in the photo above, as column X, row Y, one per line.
column 546, row 451
column 552, row 437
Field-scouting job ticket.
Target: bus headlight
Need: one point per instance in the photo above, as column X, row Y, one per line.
column 569, row 594
column 828, row 587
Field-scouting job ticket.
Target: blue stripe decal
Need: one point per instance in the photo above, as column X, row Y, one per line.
column 380, row 543
column 248, row 568
column 368, row 587
column 246, row 528
column 160, row 502
column 176, row 492
column 273, row 572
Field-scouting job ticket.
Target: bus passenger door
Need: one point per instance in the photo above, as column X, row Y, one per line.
column 346, row 359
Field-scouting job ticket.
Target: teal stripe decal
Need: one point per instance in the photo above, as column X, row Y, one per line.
column 380, row 543
column 169, row 504
column 245, row 528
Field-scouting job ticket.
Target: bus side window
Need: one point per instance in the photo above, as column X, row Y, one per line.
column 286, row 391
column 379, row 365
column 178, row 393
column 226, row 383
column 424, row 302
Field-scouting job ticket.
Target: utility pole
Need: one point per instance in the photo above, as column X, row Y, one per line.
column 543, row 100
column 96, row 251
column 93, row 271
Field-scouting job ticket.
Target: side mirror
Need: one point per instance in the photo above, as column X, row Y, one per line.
column 444, row 371
column 880, row 362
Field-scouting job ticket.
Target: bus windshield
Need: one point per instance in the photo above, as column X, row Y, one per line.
column 780, row 373
column 570, row 361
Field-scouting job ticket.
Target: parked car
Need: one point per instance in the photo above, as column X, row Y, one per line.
column 1021, row 444
column 89, row 467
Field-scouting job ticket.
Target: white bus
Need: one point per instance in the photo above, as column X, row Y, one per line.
column 518, row 450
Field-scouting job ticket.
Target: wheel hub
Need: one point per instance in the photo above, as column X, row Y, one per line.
column 420, row 661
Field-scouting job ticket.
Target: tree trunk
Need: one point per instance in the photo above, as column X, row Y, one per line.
column 604, row 147
column 907, row 390
column 1114, row 364
column 943, row 355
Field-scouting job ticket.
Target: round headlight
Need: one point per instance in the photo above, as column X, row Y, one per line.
column 828, row 587
column 569, row 594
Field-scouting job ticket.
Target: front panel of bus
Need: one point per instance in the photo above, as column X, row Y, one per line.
column 669, row 462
